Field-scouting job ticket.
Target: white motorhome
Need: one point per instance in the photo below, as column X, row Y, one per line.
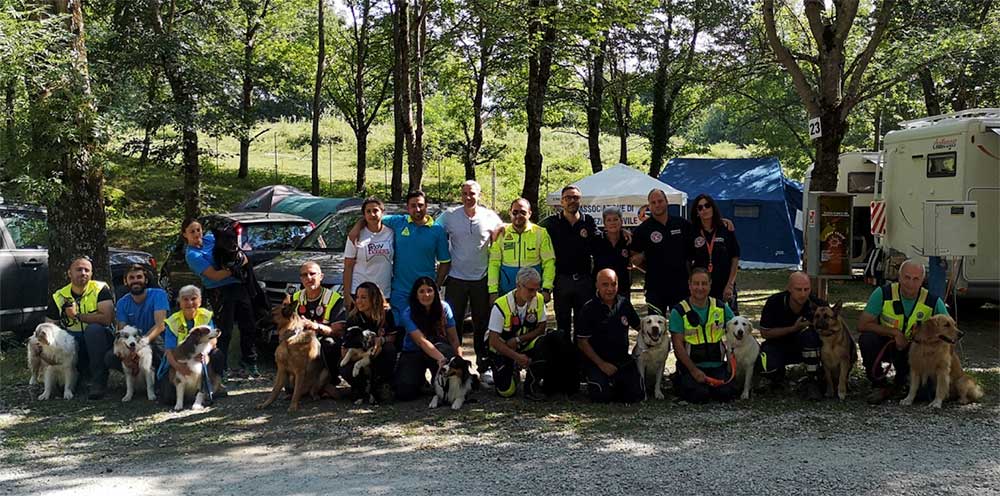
column 856, row 175
column 947, row 158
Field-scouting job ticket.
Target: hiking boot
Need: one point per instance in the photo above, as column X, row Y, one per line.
column 880, row 394
column 486, row 377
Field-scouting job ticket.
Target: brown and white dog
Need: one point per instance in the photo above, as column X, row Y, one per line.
column 838, row 353
column 298, row 358
column 453, row 383
column 137, row 360
column 746, row 349
column 933, row 356
column 196, row 346
column 359, row 349
column 52, row 358
column 651, row 351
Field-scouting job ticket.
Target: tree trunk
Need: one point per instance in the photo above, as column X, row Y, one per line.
column 361, row 135
column 192, row 172
column 150, row 122
column 660, row 121
column 477, row 116
column 539, row 70
column 824, row 174
column 595, row 104
column 76, row 217
column 246, row 109
column 10, row 136
column 931, row 99
column 418, row 36
column 403, row 129
column 317, row 110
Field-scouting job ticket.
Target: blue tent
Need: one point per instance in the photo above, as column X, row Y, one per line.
column 764, row 204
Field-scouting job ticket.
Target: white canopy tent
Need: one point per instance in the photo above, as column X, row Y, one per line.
column 619, row 186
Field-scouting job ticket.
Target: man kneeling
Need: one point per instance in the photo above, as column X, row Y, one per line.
column 698, row 331
column 518, row 340
column 612, row 374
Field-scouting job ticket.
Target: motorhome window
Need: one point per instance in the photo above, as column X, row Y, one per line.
column 747, row 211
column 861, row 182
column 941, row 164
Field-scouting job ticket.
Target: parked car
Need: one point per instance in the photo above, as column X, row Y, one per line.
column 325, row 246
column 262, row 236
column 24, row 266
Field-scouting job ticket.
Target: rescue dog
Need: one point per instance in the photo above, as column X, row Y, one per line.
column 359, row 346
column 453, row 383
column 651, row 351
column 838, row 352
column 52, row 358
column 298, row 359
column 190, row 352
column 933, row 356
column 744, row 346
column 226, row 253
column 137, row 359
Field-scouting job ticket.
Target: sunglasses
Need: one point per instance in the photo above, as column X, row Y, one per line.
column 703, row 206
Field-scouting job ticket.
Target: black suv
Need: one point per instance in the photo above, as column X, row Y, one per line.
column 24, row 266
column 262, row 236
column 325, row 246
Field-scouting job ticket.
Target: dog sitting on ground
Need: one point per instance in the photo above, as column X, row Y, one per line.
column 137, row 359
column 744, row 346
column 195, row 347
column 933, row 356
column 359, row 346
column 838, row 353
column 298, row 358
column 52, row 358
column 453, row 383
column 651, row 351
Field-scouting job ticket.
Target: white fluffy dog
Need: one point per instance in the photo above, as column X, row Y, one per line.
column 740, row 340
column 52, row 357
column 137, row 359
column 651, row 351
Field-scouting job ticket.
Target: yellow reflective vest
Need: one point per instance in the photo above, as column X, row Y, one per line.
column 512, row 323
column 328, row 300
column 704, row 341
column 86, row 304
column 177, row 324
column 514, row 250
column 893, row 314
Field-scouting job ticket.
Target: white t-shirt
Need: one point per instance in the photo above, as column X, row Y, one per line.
column 469, row 241
column 496, row 316
column 373, row 253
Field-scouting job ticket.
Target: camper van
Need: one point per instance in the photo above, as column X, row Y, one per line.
column 856, row 175
column 947, row 160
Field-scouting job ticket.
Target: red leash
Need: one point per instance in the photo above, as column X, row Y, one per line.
column 882, row 371
column 711, row 381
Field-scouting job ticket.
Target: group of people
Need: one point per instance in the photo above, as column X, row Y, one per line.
column 411, row 278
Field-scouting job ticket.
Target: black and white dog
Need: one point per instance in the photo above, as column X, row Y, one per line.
column 453, row 383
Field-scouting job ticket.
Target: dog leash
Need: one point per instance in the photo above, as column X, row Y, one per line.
column 711, row 381
column 206, row 382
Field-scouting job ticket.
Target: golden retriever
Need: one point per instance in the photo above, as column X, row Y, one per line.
column 933, row 356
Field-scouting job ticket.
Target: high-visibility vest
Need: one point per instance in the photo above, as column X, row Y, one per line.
column 512, row 323
column 328, row 300
column 86, row 304
column 530, row 248
column 177, row 324
column 893, row 314
column 704, row 339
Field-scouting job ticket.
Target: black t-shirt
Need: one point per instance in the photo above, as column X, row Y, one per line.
column 54, row 312
column 388, row 328
column 572, row 243
column 667, row 248
column 614, row 257
column 607, row 328
column 725, row 248
column 777, row 313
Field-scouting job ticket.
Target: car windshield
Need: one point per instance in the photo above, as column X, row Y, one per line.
column 272, row 236
column 331, row 234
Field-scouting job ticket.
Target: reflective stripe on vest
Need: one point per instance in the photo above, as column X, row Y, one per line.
column 512, row 326
column 177, row 324
column 709, row 332
column 328, row 300
column 516, row 253
column 894, row 319
column 87, row 303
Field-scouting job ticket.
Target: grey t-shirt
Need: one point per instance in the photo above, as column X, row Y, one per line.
column 469, row 241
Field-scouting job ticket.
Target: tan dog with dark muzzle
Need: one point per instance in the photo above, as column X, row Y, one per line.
column 838, row 353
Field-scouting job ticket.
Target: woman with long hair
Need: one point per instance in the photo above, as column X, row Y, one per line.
column 371, row 313
column 370, row 257
column 430, row 340
column 715, row 249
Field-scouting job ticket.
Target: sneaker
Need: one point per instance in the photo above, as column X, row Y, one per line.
column 880, row 394
column 487, row 377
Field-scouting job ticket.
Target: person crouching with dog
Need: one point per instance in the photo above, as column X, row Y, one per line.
column 143, row 308
column 86, row 308
column 698, row 332
column 371, row 313
column 430, row 341
column 323, row 312
column 176, row 330
column 228, row 295
column 518, row 339
column 611, row 372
